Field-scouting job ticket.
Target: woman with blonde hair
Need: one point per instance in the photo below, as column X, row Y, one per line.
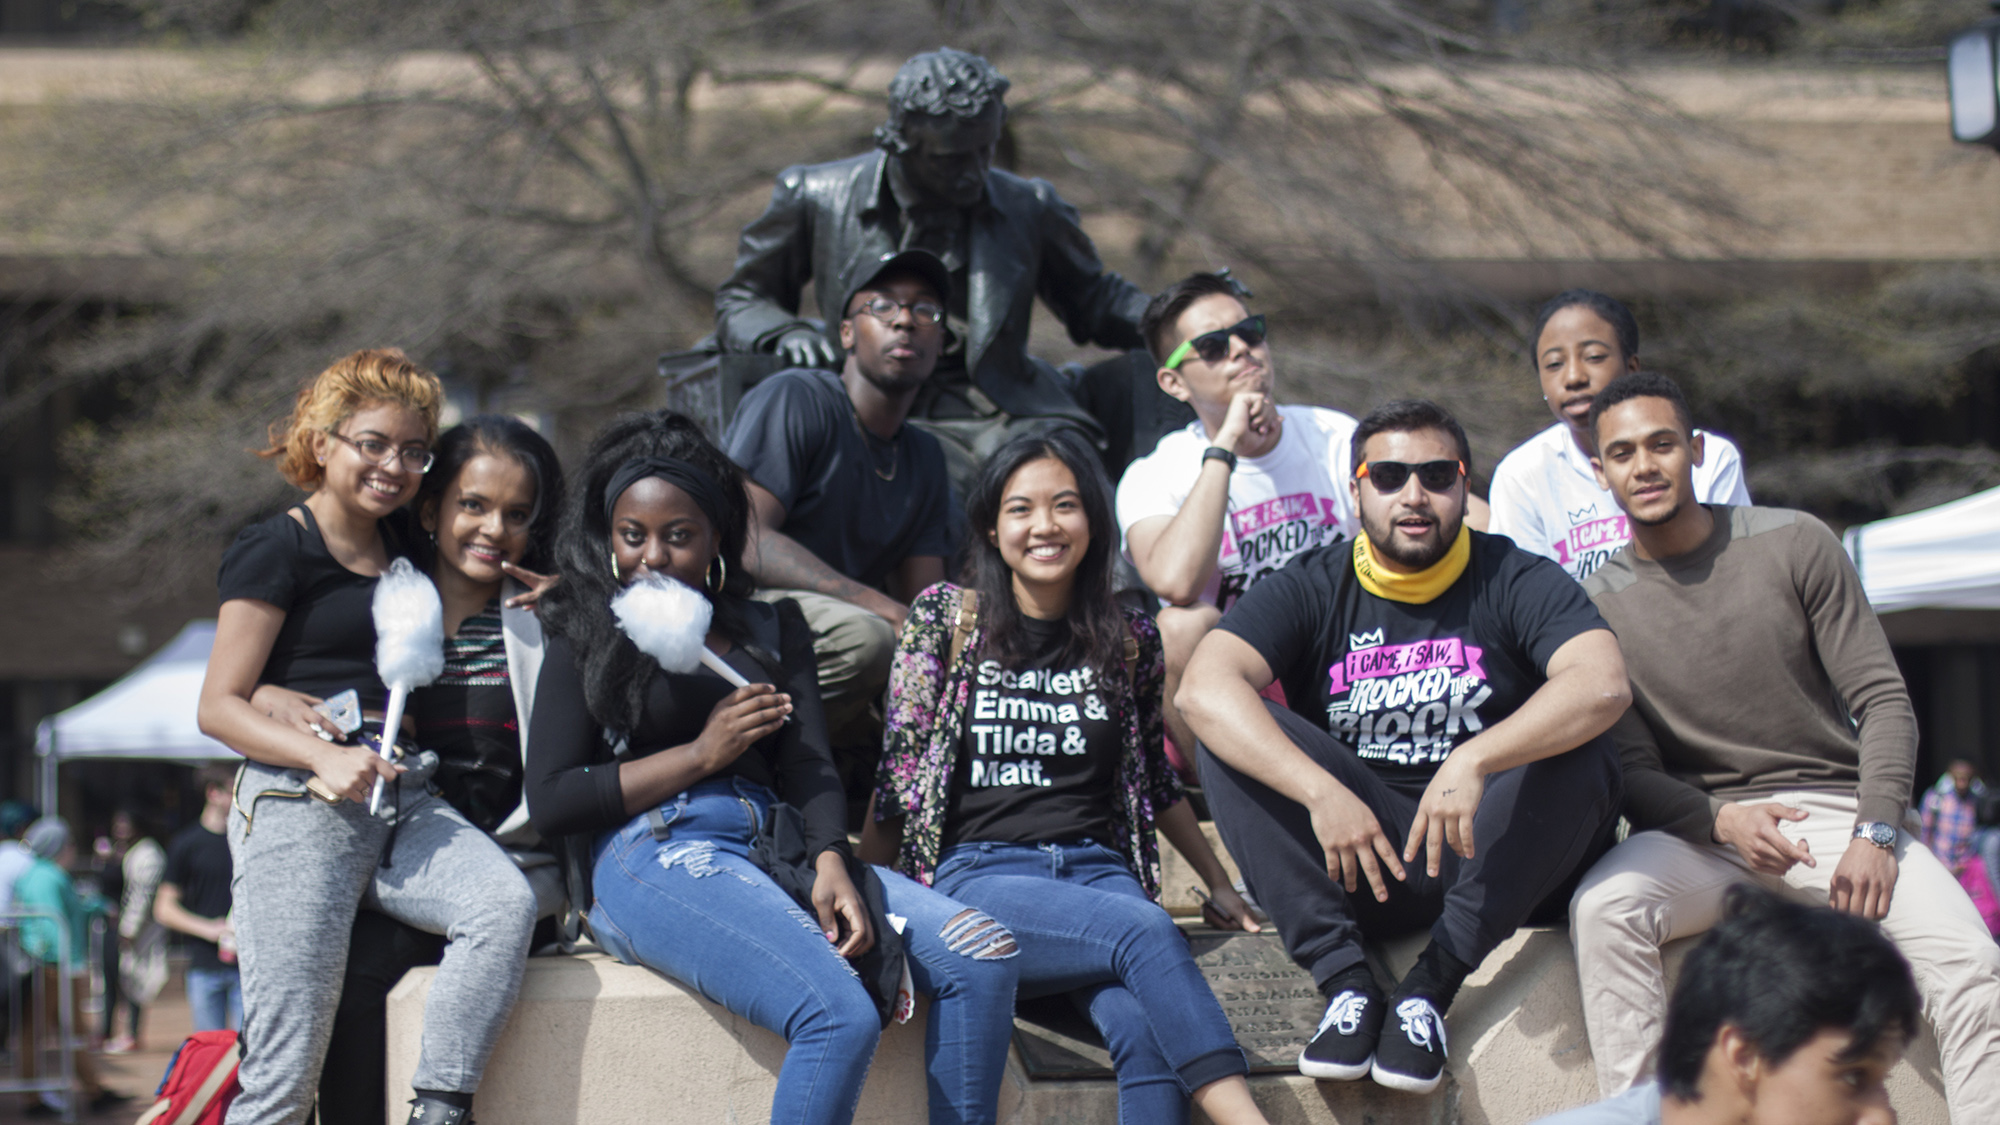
column 297, row 591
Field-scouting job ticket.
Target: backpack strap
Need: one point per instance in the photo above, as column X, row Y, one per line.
column 961, row 630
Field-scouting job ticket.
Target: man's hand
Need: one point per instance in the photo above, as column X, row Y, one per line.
column 1753, row 831
column 894, row 612
column 1250, row 412
column 1444, row 816
column 1864, row 881
column 1353, row 840
column 804, row 347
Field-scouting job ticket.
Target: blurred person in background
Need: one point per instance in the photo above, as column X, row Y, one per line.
column 15, row 966
column 55, row 932
column 1950, row 811
column 135, row 958
column 194, row 899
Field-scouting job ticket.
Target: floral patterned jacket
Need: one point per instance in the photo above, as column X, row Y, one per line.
column 926, row 726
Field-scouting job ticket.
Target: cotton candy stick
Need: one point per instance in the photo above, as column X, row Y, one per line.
column 409, row 646
column 669, row 622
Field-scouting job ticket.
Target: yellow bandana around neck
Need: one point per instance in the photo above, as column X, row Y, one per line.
column 1414, row 589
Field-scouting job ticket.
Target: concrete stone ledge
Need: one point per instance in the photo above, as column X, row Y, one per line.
column 603, row 1043
column 595, row 1041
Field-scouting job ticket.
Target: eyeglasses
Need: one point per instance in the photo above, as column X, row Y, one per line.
column 1212, row 346
column 1389, row 477
column 415, row 458
column 884, row 310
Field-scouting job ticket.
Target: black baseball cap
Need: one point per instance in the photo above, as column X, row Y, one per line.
column 923, row 263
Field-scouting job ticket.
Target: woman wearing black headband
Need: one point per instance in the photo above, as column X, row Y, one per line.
column 671, row 776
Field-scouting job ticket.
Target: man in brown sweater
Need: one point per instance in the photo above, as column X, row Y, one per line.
column 1750, row 644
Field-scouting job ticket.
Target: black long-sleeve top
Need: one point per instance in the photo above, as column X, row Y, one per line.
column 572, row 776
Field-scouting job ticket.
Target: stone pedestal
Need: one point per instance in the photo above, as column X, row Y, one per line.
column 598, row 1042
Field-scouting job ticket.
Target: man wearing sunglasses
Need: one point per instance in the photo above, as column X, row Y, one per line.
column 1244, row 489
column 1440, row 761
column 850, row 510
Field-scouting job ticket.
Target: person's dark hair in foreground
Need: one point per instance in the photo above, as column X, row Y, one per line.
column 1784, row 1012
column 1780, row 973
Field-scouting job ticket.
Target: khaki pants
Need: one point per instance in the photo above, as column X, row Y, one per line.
column 854, row 648
column 1656, row 887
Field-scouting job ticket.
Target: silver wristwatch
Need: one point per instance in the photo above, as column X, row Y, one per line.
column 1877, row 833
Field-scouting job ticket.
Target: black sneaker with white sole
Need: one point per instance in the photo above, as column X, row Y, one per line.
column 1344, row 1046
column 1410, row 1055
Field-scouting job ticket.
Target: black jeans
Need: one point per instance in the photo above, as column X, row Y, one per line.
column 1538, row 827
column 354, row 1084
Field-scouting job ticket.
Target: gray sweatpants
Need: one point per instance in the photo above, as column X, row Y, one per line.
column 303, row 868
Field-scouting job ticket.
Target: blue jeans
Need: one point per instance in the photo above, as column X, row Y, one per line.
column 215, row 997
column 1086, row 927
column 694, row 907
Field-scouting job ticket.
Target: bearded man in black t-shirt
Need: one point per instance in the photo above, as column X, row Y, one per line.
column 1448, row 696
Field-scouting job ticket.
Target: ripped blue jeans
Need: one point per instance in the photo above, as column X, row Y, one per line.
column 694, row 907
column 1087, row 928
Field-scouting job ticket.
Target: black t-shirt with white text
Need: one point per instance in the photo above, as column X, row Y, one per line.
column 1040, row 753
column 1404, row 684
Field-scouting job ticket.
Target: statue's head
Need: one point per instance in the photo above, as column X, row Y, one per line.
column 946, row 111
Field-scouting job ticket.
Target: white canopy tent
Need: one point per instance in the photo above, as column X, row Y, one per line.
column 149, row 714
column 1947, row 557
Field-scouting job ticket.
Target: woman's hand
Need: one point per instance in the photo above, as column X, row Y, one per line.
column 350, row 771
column 741, row 718
column 295, row 710
column 842, row 916
column 1225, row 909
column 537, row 584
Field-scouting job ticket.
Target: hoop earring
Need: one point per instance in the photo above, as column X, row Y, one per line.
column 721, row 577
column 615, row 576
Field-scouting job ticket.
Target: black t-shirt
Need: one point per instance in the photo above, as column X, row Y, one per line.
column 796, row 435
column 327, row 643
column 1403, row 684
column 1040, row 753
column 467, row 717
column 198, row 863
column 572, row 773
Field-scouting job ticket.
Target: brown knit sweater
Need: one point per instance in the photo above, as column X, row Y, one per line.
column 1747, row 657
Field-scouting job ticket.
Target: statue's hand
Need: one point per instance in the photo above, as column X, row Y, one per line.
column 804, row 347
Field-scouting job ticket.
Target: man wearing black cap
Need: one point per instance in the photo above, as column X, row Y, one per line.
column 1006, row 240
column 851, row 507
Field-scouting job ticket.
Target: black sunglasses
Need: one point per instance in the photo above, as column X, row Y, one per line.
column 1389, row 477
column 1212, row 346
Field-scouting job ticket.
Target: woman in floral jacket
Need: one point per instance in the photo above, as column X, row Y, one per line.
column 1023, row 776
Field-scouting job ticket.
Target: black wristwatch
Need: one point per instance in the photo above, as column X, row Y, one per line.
column 1217, row 453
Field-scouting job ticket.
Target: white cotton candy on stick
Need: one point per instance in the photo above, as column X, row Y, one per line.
column 409, row 645
column 669, row 622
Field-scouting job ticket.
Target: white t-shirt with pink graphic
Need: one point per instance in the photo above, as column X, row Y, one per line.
column 1546, row 499
column 1282, row 504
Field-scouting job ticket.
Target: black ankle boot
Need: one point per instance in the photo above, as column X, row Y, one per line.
column 431, row 1111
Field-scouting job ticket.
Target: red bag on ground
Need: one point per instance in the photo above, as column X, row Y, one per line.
column 200, row 1082
column 1976, row 884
